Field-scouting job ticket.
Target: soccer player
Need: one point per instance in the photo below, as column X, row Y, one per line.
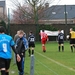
column 31, row 42
column 6, row 43
column 21, row 47
column 60, row 40
column 44, row 38
column 72, row 39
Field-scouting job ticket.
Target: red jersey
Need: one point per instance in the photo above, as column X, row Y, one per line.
column 43, row 35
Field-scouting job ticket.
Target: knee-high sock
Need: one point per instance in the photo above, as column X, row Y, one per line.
column 62, row 48
column 29, row 52
column 32, row 51
column 3, row 72
column 44, row 48
column 7, row 73
column 72, row 48
column 59, row 48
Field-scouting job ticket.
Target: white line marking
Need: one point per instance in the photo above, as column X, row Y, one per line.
column 56, row 62
column 47, row 67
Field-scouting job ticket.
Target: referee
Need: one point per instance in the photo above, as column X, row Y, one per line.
column 72, row 39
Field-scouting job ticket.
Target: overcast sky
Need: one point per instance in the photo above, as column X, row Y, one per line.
column 54, row 2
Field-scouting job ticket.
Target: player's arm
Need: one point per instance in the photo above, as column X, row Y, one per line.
column 15, row 51
column 12, row 44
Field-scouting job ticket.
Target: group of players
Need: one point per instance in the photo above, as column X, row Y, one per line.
column 70, row 37
column 19, row 46
column 60, row 40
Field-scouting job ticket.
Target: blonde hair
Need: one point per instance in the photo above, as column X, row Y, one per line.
column 21, row 32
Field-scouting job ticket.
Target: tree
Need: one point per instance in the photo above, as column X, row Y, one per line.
column 22, row 15
column 30, row 11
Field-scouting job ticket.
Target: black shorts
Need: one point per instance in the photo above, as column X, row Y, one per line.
column 72, row 41
column 5, row 63
column 60, row 42
column 31, row 44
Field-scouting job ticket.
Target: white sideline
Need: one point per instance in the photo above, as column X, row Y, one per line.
column 56, row 62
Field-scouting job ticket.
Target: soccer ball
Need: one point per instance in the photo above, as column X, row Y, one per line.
column 67, row 36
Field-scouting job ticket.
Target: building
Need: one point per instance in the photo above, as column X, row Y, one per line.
column 2, row 8
column 59, row 14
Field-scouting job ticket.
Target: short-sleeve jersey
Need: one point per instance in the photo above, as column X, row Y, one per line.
column 60, row 37
column 31, row 39
column 72, row 35
column 6, row 42
column 43, row 35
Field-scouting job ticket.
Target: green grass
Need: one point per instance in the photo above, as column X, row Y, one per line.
column 50, row 63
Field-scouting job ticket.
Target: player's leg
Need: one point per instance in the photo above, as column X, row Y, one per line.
column 7, row 66
column 20, row 66
column 32, row 50
column 59, row 46
column 2, row 66
column 33, row 46
column 62, row 47
column 43, row 45
column 29, row 50
column 71, row 45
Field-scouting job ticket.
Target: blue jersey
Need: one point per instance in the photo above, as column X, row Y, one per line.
column 5, row 46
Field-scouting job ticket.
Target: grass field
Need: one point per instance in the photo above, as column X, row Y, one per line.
column 50, row 63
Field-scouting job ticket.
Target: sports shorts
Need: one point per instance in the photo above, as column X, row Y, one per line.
column 72, row 41
column 31, row 44
column 5, row 63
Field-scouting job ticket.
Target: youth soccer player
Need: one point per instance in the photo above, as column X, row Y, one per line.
column 44, row 38
column 6, row 42
column 72, row 39
column 21, row 47
column 31, row 42
column 60, row 40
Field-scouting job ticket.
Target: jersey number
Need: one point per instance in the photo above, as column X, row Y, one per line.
column 4, row 47
column 32, row 39
column 61, row 37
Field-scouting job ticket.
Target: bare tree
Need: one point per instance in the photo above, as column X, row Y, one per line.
column 30, row 9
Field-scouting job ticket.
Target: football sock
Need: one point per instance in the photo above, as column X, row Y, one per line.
column 62, row 48
column 72, row 48
column 29, row 52
column 59, row 48
column 44, row 48
column 7, row 73
column 32, row 51
column 3, row 72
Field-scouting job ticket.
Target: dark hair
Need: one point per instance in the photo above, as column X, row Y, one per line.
column 43, row 30
column 31, row 32
column 2, row 29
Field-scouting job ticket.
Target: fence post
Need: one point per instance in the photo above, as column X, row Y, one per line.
column 32, row 65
